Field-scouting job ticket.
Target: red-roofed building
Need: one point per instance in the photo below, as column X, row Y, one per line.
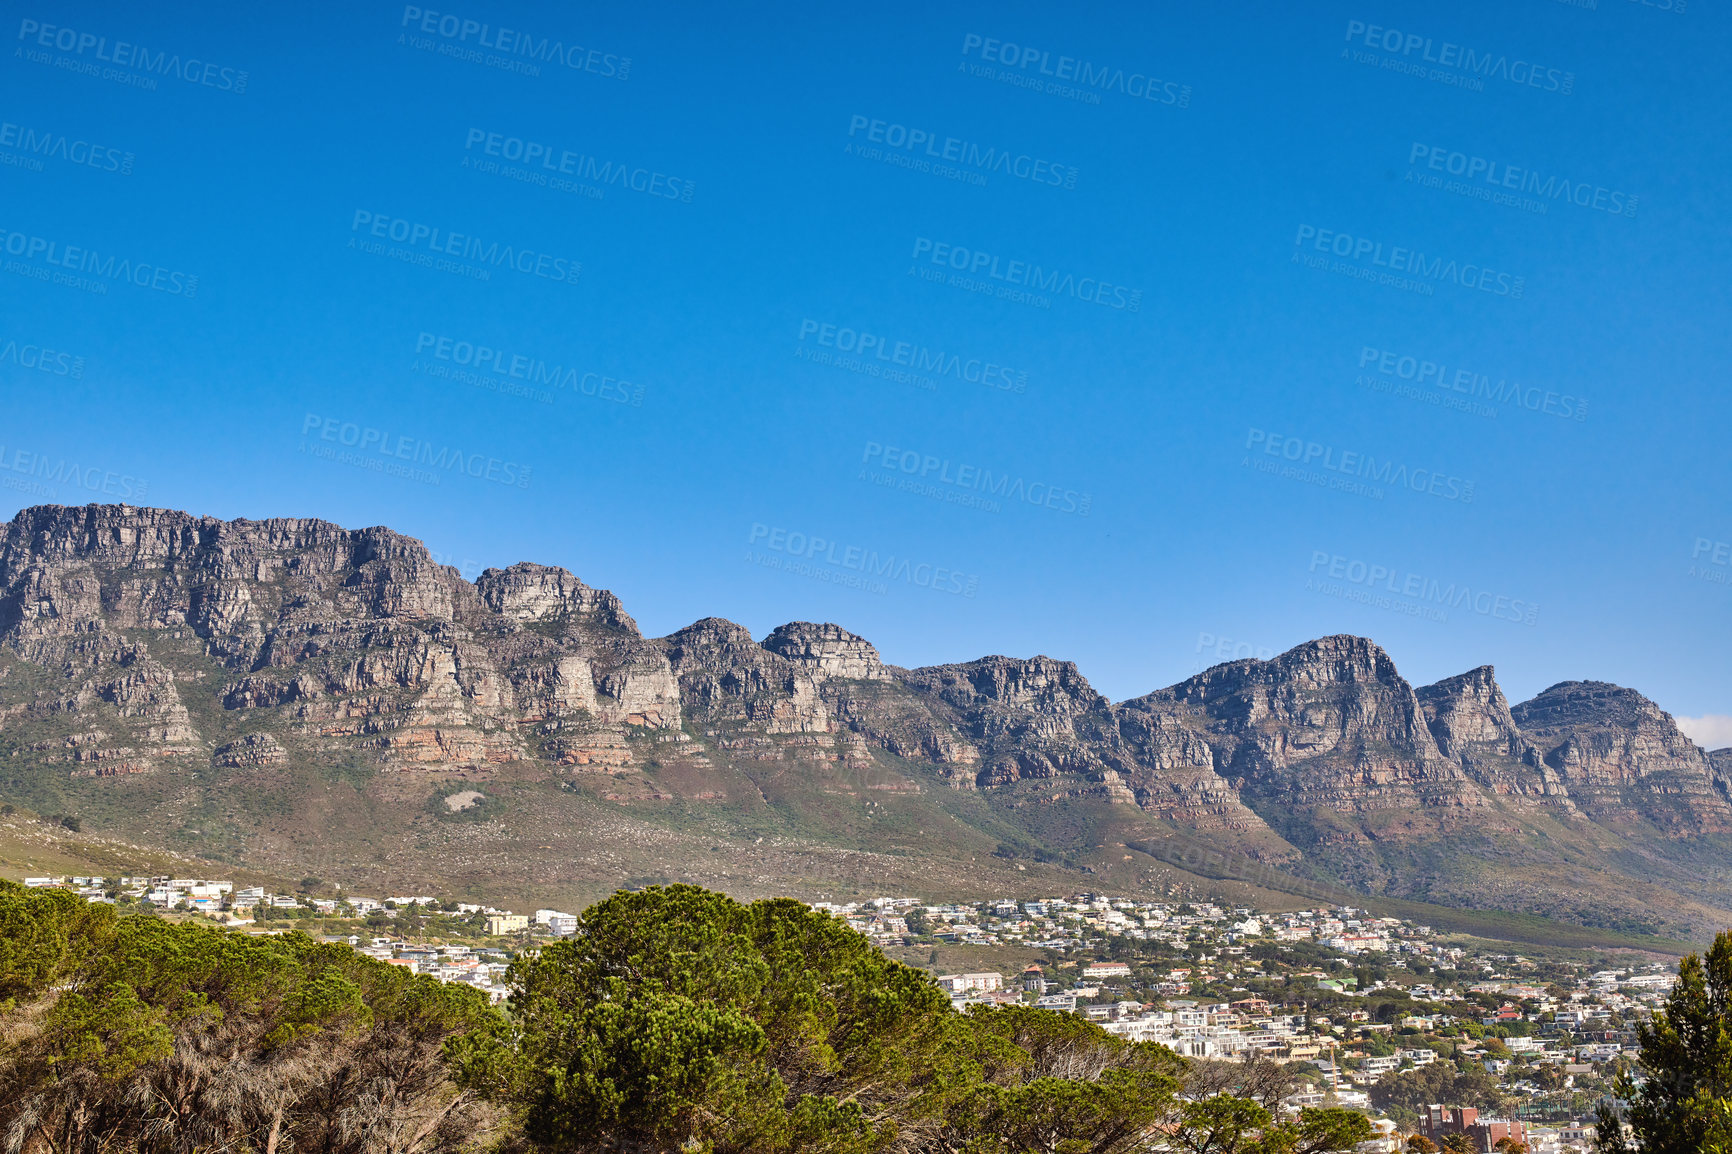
column 1436, row 1121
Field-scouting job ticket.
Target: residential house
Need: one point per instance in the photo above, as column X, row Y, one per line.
column 1437, row 1121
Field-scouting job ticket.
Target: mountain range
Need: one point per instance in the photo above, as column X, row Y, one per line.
column 288, row 695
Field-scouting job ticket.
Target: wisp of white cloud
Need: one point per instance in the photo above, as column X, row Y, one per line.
column 1710, row 731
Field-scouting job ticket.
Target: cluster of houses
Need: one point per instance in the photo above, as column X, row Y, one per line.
column 1250, row 1028
column 1084, row 921
column 1574, row 1025
column 221, row 901
column 482, row 968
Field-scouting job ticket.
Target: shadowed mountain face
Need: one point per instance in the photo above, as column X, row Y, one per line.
column 152, row 661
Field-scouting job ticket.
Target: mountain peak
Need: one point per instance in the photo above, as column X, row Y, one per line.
column 1340, row 656
column 708, row 631
column 527, row 591
column 827, row 650
column 1572, row 698
column 1623, row 757
column 1468, row 712
column 1470, row 719
column 1038, row 682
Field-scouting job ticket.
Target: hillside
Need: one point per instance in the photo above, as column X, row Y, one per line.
column 287, row 695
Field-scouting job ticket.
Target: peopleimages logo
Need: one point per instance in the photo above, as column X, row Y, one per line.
column 1717, row 552
column 861, row 561
column 46, row 468
column 1415, row 51
column 913, row 356
column 1508, row 183
column 430, row 240
column 523, row 49
column 484, row 362
column 1370, row 255
column 382, row 451
column 1026, row 274
column 1351, row 467
column 556, row 162
column 1478, row 386
column 930, row 470
column 1708, row 561
column 1092, row 78
column 36, row 144
column 123, row 54
column 1226, row 649
column 81, row 264
column 1429, row 592
column 928, row 145
column 55, row 362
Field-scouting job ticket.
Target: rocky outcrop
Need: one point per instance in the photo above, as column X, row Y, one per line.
column 250, row 752
column 356, row 639
column 1172, row 770
column 1470, row 720
column 1329, row 724
column 827, row 651
column 1720, row 765
column 530, row 592
column 577, row 650
column 1623, row 759
column 728, row 681
column 1032, row 719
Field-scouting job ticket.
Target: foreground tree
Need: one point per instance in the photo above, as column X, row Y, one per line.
column 1683, row 1105
column 133, row 1033
column 1439, row 1081
column 679, row 1018
column 44, row 936
column 1225, row 1124
column 1035, row 1080
column 1261, row 1078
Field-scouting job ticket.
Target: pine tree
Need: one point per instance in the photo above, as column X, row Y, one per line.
column 1684, row 1103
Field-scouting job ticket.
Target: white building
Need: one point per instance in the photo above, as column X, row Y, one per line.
column 1107, row 970
column 970, row 983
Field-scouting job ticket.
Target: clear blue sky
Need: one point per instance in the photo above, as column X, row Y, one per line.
column 1120, row 266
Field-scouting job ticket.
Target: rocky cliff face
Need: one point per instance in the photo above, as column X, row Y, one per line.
column 827, row 651
column 336, row 637
column 1329, row 723
column 732, row 683
column 1470, row 720
column 1623, row 759
column 150, row 642
column 1720, row 764
column 1034, row 718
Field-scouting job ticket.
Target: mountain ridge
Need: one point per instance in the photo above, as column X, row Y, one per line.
column 237, row 664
